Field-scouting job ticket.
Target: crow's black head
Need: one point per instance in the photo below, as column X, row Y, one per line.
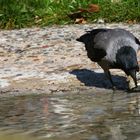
column 90, row 35
column 126, row 59
column 86, row 38
column 95, row 54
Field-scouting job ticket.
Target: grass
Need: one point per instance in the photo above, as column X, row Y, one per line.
column 28, row 13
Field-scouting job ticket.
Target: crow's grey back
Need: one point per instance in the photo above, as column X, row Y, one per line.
column 114, row 39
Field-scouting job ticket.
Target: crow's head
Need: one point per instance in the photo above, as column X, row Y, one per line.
column 86, row 38
column 126, row 59
column 89, row 36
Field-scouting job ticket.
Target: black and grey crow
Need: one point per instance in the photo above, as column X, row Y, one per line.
column 113, row 48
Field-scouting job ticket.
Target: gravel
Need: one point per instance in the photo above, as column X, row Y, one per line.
column 50, row 59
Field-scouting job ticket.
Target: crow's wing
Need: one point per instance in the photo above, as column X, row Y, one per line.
column 112, row 40
column 104, row 40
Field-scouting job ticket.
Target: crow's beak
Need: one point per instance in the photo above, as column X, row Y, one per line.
column 78, row 39
column 132, row 73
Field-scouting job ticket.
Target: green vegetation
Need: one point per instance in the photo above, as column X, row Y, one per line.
column 27, row 13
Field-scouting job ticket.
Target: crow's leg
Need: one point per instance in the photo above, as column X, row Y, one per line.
column 108, row 75
column 105, row 66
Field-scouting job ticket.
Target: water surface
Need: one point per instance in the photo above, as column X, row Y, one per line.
column 85, row 115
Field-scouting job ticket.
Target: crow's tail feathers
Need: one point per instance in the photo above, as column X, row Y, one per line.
column 137, row 42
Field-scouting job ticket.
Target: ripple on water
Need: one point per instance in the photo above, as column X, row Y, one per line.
column 86, row 115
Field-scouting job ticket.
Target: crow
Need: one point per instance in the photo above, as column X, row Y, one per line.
column 113, row 49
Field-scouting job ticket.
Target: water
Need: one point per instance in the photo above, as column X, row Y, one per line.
column 83, row 115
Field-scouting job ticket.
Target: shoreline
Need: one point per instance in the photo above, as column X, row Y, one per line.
column 47, row 60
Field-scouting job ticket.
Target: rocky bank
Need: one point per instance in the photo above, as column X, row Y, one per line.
column 46, row 60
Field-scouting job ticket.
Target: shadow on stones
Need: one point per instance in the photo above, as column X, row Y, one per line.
column 91, row 78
